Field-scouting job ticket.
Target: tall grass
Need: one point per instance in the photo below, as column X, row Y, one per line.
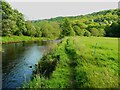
column 79, row 62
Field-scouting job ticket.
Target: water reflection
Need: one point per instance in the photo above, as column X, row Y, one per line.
column 16, row 60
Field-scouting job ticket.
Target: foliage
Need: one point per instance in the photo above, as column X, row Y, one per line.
column 50, row 30
column 87, row 33
column 13, row 19
column 94, row 32
column 113, row 30
column 31, row 31
column 67, row 29
column 80, row 64
column 78, row 31
column 14, row 39
column 102, row 23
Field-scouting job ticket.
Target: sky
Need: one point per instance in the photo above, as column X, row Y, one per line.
column 34, row 9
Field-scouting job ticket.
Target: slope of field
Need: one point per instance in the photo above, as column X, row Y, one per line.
column 79, row 62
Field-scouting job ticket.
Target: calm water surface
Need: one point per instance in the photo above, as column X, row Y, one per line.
column 17, row 59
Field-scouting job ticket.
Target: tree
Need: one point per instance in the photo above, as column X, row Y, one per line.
column 20, row 22
column 7, row 12
column 46, row 30
column 103, row 23
column 78, row 31
column 37, row 32
column 113, row 30
column 13, row 22
column 101, row 32
column 87, row 33
column 8, row 27
column 94, row 32
column 56, row 30
column 67, row 29
column 31, row 31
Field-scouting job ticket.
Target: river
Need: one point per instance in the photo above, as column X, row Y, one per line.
column 18, row 62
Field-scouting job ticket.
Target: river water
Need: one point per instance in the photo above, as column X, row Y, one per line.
column 18, row 62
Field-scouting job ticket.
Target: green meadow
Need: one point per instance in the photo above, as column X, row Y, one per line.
column 13, row 39
column 78, row 62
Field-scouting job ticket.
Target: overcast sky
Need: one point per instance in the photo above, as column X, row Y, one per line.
column 44, row 10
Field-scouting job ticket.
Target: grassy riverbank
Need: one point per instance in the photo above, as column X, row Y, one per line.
column 14, row 39
column 79, row 62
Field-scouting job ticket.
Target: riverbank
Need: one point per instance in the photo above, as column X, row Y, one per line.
column 15, row 39
column 18, row 61
column 79, row 62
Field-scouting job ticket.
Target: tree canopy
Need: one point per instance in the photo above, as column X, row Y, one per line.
column 102, row 23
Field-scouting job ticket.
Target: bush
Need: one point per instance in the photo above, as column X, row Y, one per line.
column 87, row 33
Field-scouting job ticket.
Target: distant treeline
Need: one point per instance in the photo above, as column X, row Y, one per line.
column 103, row 23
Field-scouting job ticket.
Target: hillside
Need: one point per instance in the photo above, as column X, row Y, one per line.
column 102, row 23
column 98, row 23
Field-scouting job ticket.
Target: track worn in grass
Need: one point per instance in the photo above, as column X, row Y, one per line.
column 79, row 62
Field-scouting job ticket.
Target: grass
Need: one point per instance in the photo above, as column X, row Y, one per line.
column 13, row 39
column 79, row 62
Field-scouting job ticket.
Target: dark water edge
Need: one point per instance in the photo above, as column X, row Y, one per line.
column 18, row 61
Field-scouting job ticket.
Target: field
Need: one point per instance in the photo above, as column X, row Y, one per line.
column 78, row 62
column 13, row 39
